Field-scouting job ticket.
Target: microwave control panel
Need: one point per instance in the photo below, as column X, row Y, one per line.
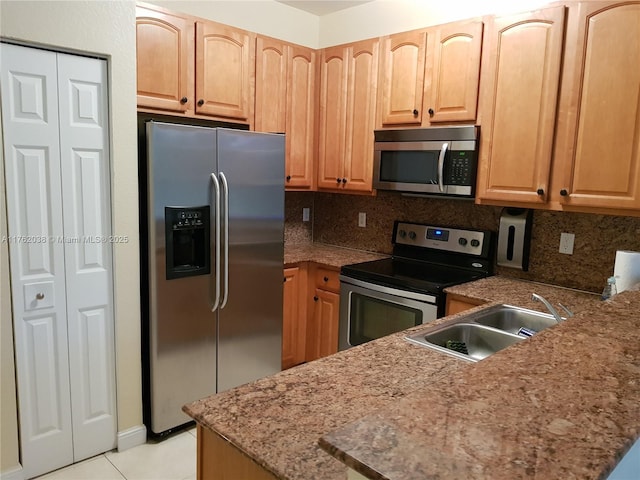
column 460, row 168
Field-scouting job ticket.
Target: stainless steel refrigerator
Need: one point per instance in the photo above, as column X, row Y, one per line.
column 215, row 224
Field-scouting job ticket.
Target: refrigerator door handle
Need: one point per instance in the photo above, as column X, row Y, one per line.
column 225, row 230
column 216, row 238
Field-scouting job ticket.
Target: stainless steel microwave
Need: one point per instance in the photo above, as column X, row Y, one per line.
column 429, row 161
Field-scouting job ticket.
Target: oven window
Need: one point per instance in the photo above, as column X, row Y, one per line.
column 409, row 166
column 372, row 318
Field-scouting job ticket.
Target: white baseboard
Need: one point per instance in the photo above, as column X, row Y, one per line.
column 15, row 473
column 132, row 437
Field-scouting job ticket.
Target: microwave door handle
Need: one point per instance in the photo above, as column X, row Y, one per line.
column 443, row 152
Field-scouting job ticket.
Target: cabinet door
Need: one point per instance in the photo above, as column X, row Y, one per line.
column 293, row 322
column 519, row 89
column 165, row 81
column 225, row 69
column 402, row 78
column 600, row 144
column 453, row 73
column 271, row 85
column 361, row 110
column 333, row 99
column 301, row 116
column 322, row 336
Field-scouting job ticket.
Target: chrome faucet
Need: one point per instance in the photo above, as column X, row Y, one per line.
column 553, row 311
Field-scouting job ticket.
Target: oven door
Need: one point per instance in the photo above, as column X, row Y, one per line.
column 369, row 311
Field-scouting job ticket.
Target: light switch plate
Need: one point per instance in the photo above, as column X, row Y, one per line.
column 305, row 214
column 362, row 219
column 566, row 243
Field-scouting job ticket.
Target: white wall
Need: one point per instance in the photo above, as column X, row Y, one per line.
column 106, row 29
column 266, row 17
column 384, row 17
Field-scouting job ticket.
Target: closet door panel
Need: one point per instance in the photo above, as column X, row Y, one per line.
column 84, row 150
column 34, row 211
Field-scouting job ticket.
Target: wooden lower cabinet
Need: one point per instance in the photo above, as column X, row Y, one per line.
column 311, row 313
column 217, row 459
column 294, row 316
column 458, row 303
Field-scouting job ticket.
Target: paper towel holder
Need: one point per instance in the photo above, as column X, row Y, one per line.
column 514, row 238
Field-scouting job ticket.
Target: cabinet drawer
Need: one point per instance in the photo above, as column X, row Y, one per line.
column 328, row 279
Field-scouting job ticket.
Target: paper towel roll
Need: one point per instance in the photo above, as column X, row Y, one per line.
column 626, row 269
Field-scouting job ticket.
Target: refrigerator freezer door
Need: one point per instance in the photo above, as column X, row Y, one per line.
column 182, row 328
column 250, row 324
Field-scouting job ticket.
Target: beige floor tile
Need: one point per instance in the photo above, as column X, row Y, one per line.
column 173, row 458
column 96, row 468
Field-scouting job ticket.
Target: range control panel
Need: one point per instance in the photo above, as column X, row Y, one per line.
column 441, row 238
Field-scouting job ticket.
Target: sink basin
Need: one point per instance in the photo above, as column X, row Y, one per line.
column 480, row 341
column 511, row 319
column 483, row 333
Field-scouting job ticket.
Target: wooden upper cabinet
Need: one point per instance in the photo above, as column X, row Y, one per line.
column 599, row 144
column 453, row 73
column 165, row 81
column 519, row 89
column 271, row 85
column 361, row 115
column 347, row 116
column 225, row 71
column 302, row 101
column 333, row 114
column 401, row 81
column 286, row 100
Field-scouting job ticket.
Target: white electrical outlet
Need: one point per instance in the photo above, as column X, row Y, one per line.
column 305, row 214
column 566, row 243
column 362, row 219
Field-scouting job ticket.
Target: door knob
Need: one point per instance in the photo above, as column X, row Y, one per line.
column 288, row 178
column 540, row 191
column 39, row 296
column 564, row 192
column 431, row 112
column 184, row 100
column 344, row 180
column 337, row 180
column 415, row 113
column 200, row 102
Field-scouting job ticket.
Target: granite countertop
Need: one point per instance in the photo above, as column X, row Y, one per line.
column 326, row 254
column 563, row 404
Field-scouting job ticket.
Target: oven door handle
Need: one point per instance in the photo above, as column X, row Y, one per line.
column 421, row 297
column 443, row 153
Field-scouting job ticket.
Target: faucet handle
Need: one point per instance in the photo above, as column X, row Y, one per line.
column 569, row 312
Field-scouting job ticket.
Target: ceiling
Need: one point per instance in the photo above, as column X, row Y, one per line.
column 323, row 7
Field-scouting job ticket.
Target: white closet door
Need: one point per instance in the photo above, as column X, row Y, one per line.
column 84, row 156
column 32, row 167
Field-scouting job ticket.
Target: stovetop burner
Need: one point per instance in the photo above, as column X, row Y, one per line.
column 427, row 259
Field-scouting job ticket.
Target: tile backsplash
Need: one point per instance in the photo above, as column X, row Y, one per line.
column 597, row 237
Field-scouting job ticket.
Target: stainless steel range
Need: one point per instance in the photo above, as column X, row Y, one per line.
column 381, row 297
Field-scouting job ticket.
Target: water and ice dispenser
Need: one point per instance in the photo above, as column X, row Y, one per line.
column 187, row 241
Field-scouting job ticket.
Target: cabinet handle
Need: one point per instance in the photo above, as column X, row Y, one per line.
column 288, row 178
column 540, row 191
column 338, row 180
column 431, row 112
column 184, row 100
column 315, row 298
column 284, row 280
column 564, row 192
column 415, row 113
column 200, row 102
column 344, row 180
column 326, row 279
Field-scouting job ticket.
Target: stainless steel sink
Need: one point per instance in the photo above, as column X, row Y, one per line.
column 480, row 341
column 512, row 319
column 478, row 335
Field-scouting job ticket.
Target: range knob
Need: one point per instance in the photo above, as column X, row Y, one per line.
column 412, row 235
column 462, row 241
column 402, row 233
column 475, row 242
